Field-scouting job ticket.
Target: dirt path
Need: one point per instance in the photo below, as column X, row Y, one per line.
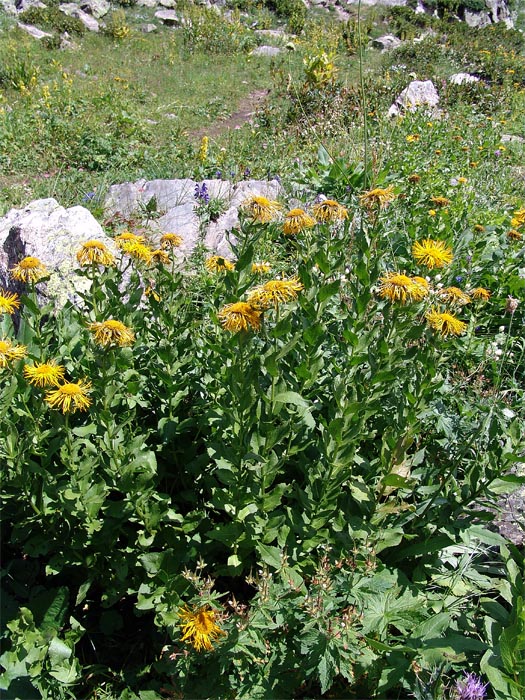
column 247, row 108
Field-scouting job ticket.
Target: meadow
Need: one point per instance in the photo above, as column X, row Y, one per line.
column 277, row 474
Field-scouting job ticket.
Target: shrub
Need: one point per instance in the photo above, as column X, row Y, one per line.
column 53, row 19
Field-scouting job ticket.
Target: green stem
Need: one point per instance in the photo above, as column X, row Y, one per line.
column 363, row 97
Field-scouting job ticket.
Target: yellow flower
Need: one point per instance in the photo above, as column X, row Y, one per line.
column 28, row 270
column 432, row 212
column 218, row 264
column 138, row 251
column 380, row 196
column 112, row 332
column 9, row 302
column 421, row 288
column 261, row 268
column 432, row 253
column 160, row 257
column 438, row 151
column 150, row 292
column 128, row 237
column 412, row 138
column 398, row 287
column 480, row 294
column 274, row 293
column 199, row 627
column 296, row 221
column 462, row 180
column 261, row 209
column 170, row 240
column 445, row 323
column 440, row 201
column 203, row 150
column 414, row 178
column 518, row 218
column 239, row 317
column 479, row 228
column 44, row 374
column 95, row 252
column 454, row 295
column 514, row 235
column 70, row 397
column 10, row 352
column 329, row 210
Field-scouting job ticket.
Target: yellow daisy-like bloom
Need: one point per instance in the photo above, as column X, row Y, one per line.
column 261, row 268
column 199, row 627
column 9, row 302
column 70, row 397
column 445, row 323
column 514, row 235
column 440, row 201
column 128, row 237
column 379, row 196
column 412, row 138
column 480, row 294
column 414, row 178
column 239, row 317
column 44, row 374
column 432, row 212
column 160, row 257
column 421, row 288
column 10, row 352
column 95, row 252
column 479, row 228
column 170, row 240
column 275, row 292
column 138, row 251
column 296, row 221
column 112, row 333
column 462, row 180
column 218, row 264
column 329, row 211
column 29, row 269
column 518, row 218
column 398, row 287
column 432, row 254
column 261, row 209
column 454, row 295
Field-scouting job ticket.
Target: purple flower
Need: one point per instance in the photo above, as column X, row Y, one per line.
column 201, row 193
column 459, row 278
column 497, row 153
column 218, row 175
column 247, row 172
column 470, row 688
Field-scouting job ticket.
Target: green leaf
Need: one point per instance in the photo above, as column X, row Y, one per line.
column 270, row 555
column 329, row 290
column 291, row 397
column 58, row 651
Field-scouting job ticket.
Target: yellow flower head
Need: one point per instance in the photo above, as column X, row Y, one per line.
column 218, row 264
column 480, row 294
column 421, row 288
column 170, row 240
column 128, row 237
column 70, row 397
column 44, row 374
column 518, row 218
column 261, row 268
column 274, row 293
column 199, row 628
column 454, row 295
column 462, row 180
column 95, row 252
column 432, row 212
column 296, row 221
column 150, row 292
column 160, row 257
column 514, row 235
column 398, row 287
column 261, row 209
column 440, row 201
column 112, row 333
column 412, row 138
column 445, row 323
column 9, row 302
column 432, row 254
column 203, row 150
column 138, row 251
column 29, row 269
column 414, row 178
column 239, row 317
column 10, row 352
column 479, row 228
column 329, row 210
column 379, row 196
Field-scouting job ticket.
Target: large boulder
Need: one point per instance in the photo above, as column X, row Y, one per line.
column 419, row 93
column 33, row 31
column 97, row 8
column 386, row 42
column 72, row 10
column 45, row 230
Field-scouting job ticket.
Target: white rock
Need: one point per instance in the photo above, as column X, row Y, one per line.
column 33, row 31
column 97, row 8
column 169, row 17
column 73, row 10
column 386, row 42
column 266, row 51
column 419, row 93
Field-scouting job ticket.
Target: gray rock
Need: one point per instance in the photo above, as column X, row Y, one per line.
column 8, row 6
column 169, row 17
column 419, row 93
column 97, row 8
column 463, row 78
column 73, row 10
column 278, row 34
column 48, row 231
column 512, row 138
column 266, row 51
column 386, row 42
column 23, row 5
column 147, row 3
column 148, row 28
column 33, row 31
column 476, row 20
column 168, row 4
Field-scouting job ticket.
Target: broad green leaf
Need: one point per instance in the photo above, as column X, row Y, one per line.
column 270, row 555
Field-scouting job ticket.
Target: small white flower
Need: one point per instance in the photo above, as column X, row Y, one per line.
column 438, row 278
column 498, row 352
column 501, row 329
column 508, row 413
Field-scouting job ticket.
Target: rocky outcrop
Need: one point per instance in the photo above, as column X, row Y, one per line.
column 419, row 93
